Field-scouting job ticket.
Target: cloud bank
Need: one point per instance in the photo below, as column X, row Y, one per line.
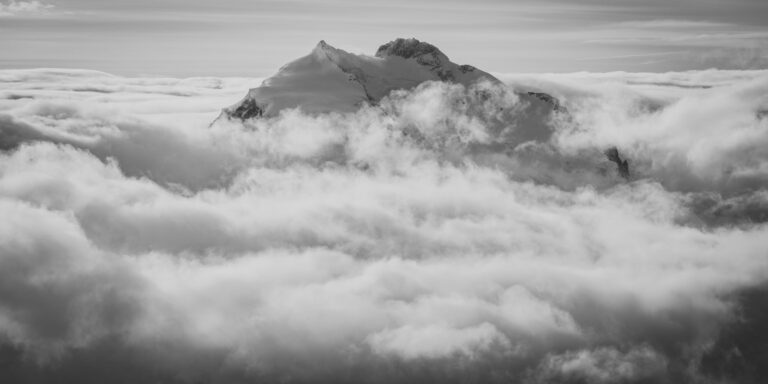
column 428, row 239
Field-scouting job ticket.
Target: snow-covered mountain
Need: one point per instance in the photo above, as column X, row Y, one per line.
column 329, row 79
column 332, row 80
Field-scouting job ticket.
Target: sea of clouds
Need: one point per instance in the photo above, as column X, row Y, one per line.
column 430, row 238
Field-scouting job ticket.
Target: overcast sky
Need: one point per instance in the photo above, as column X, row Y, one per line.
column 256, row 37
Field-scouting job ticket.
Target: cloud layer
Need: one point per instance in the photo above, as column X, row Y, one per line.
column 201, row 37
column 421, row 240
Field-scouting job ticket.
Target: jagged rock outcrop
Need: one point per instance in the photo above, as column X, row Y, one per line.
column 408, row 48
column 247, row 109
column 549, row 99
column 622, row 165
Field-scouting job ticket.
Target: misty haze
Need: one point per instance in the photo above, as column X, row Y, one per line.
column 384, row 192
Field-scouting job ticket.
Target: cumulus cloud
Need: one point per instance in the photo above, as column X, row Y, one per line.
column 605, row 365
column 700, row 131
column 430, row 238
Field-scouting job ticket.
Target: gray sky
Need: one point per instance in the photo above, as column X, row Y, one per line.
column 256, row 37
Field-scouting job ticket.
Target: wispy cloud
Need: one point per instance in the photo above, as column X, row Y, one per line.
column 24, row 8
column 520, row 35
column 619, row 57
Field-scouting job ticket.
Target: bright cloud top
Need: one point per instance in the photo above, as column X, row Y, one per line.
column 406, row 242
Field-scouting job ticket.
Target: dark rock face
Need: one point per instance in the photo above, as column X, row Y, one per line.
column 248, row 109
column 407, row 48
column 549, row 99
column 622, row 164
column 425, row 54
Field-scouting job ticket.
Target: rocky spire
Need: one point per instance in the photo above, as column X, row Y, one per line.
column 622, row 165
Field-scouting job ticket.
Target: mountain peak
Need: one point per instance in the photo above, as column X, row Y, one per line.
column 324, row 48
column 322, row 45
column 407, row 48
column 333, row 80
column 425, row 53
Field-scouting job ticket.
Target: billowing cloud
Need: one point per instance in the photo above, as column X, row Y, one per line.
column 605, row 365
column 426, row 239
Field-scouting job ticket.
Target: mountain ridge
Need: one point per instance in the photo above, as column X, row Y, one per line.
column 330, row 79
